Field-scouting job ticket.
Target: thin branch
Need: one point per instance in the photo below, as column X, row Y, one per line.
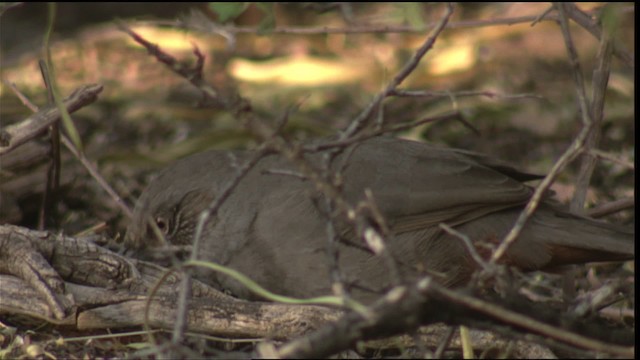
column 585, row 19
column 53, row 172
column 612, row 207
column 610, row 157
column 441, row 94
column 359, row 122
column 368, row 135
column 425, row 302
column 467, row 243
column 18, row 134
column 355, row 29
column 599, row 86
column 574, row 149
column 93, row 171
column 192, row 74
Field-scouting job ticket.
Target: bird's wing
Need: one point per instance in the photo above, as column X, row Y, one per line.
column 418, row 185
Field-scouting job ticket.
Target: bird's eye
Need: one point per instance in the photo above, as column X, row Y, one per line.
column 163, row 225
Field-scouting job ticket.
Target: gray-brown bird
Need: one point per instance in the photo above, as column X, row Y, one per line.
column 273, row 227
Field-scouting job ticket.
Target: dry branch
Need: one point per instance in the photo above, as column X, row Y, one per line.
column 15, row 135
column 107, row 294
column 106, row 299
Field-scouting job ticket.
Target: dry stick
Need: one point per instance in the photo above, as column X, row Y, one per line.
column 332, row 252
column 612, row 207
column 374, row 241
column 34, row 109
column 368, row 135
column 360, row 121
column 25, row 101
column 93, row 170
column 53, row 172
column 66, row 142
column 467, row 243
column 372, row 236
column 586, row 20
column 379, row 123
column 333, row 255
column 364, row 231
column 192, row 74
column 583, row 18
column 588, row 163
column 338, row 284
column 444, row 343
column 617, row 205
column 541, row 16
column 391, row 314
column 573, row 150
column 607, row 156
column 600, row 81
column 464, row 93
column 17, row 134
column 195, row 77
column 429, row 287
column 357, row 29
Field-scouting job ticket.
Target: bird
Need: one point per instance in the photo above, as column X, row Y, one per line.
column 273, row 227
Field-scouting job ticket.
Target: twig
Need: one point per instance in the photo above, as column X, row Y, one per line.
column 82, row 92
column 368, row 135
column 467, row 243
column 93, row 170
column 444, row 343
column 585, row 19
column 17, row 134
column 607, row 156
column 600, row 81
column 542, row 15
column 439, row 94
column 612, row 207
column 374, row 240
column 429, row 287
column 192, row 74
column 355, row 29
column 405, row 308
column 333, row 255
column 357, row 123
column 573, row 150
column 53, row 172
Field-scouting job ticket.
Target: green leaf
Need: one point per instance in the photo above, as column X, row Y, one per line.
column 228, row 10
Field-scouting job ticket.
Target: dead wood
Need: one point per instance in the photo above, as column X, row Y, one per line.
column 15, row 135
column 108, row 295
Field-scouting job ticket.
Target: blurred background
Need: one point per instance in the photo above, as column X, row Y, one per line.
column 280, row 55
